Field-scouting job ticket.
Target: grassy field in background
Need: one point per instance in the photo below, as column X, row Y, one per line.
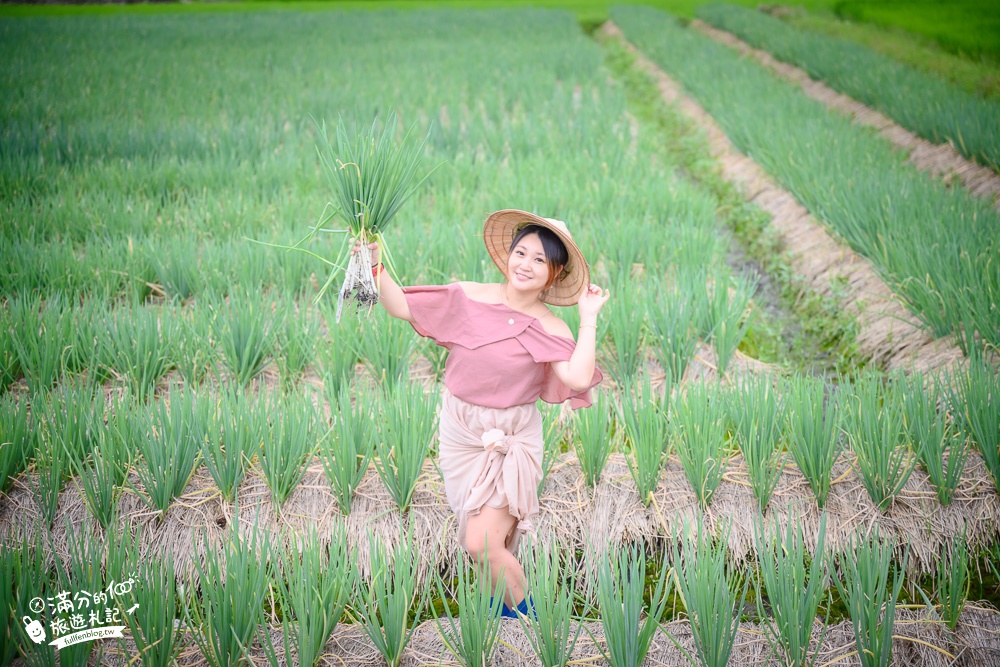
column 919, row 51
column 947, row 23
column 585, row 10
column 930, row 35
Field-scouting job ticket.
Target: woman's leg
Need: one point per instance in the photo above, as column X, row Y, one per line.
column 485, row 539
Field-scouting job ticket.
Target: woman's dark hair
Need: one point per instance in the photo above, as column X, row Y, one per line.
column 555, row 251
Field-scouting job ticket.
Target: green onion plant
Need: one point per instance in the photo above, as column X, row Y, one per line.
column 80, row 570
column 813, row 432
column 869, row 594
column 137, row 346
column 287, row 448
column 671, row 318
column 621, row 588
column 554, row 429
column 698, row 430
column 250, row 268
column 296, row 344
column 794, row 590
column 348, row 447
column 123, row 557
column 386, row 348
column 73, row 418
column 758, row 412
column 10, row 557
column 33, row 578
column 153, row 623
column 10, row 369
column 194, row 352
column 233, row 586
column 403, row 438
column 593, row 434
column 693, row 285
column 18, row 439
column 102, row 476
column 42, row 335
column 126, row 421
column 941, row 447
column 371, row 177
column 246, row 334
column 86, row 360
column 975, row 404
column 875, row 428
column 313, row 587
column 473, row 637
column 550, row 579
column 384, row 604
column 176, row 267
column 645, row 423
column 713, row 591
column 626, row 330
column 169, row 443
column 951, row 585
column 337, row 354
column 52, row 468
column 731, row 318
column 87, row 357
column 235, row 434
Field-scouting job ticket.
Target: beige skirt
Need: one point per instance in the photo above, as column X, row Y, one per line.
column 491, row 456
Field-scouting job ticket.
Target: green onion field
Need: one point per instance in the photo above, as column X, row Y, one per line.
column 196, row 452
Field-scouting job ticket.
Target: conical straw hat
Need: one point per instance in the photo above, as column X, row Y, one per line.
column 499, row 232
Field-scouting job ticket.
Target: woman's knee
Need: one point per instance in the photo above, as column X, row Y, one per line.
column 482, row 550
column 475, row 546
column 485, row 533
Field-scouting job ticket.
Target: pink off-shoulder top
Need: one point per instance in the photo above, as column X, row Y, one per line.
column 498, row 357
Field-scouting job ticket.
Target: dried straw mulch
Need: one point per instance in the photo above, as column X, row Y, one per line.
column 580, row 520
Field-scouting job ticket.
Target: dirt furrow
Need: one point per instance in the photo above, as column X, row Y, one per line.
column 940, row 160
column 889, row 334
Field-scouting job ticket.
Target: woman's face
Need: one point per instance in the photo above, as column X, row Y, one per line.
column 527, row 266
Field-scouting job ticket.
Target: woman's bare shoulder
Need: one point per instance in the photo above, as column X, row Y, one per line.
column 555, row 326
column 484, row 292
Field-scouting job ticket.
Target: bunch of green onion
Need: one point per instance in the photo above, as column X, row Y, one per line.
column 371, row 177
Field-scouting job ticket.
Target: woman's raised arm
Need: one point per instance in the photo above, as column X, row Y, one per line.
column 579, row 370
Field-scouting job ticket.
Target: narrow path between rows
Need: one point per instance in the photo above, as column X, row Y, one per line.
column 940, row 160
column 889, row 334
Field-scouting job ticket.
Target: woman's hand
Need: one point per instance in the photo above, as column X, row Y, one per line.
column 373, row 247
column 591, row 302
column 392, row 297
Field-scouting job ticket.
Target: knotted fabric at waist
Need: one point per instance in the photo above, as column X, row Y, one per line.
column 491, row 456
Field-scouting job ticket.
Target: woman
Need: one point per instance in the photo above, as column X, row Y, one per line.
column 507, row 350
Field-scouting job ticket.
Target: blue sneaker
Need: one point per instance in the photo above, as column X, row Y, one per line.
column 505, row 611
column 527, row 608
